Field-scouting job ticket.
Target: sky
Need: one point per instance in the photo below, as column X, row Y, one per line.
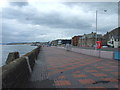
column 33, row 21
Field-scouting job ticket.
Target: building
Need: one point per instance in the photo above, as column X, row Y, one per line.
column 66, row 41
column 114, row 41
column 113, row 38
column 60, row 42
column 54, row 43
column 89, row 40
column 75, row 40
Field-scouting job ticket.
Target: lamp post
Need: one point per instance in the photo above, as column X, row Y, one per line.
column 96, row 31
column 97, row 27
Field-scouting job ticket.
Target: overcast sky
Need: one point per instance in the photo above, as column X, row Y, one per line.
column 36, row 21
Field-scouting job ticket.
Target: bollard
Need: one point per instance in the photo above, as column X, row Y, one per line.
column 12, row 56
column 116, row 55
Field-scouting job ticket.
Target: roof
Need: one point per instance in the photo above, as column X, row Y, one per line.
column 116, row 37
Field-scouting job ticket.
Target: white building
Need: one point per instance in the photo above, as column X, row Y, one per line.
column 114, row 41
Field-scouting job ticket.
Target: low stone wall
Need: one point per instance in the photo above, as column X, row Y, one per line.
column 17, row 72
column 97, row 53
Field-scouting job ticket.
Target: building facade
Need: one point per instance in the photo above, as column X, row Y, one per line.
column 89, row 40
column 60, row 42
column 75, row 40
column 113, row 38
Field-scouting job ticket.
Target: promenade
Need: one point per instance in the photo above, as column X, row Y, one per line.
column 58, row 68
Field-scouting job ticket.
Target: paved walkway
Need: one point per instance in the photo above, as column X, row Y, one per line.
column 57, row 68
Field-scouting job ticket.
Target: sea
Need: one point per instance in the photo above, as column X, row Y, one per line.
column 6, row 49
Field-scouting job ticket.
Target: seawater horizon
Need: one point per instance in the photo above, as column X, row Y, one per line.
column 6, row 49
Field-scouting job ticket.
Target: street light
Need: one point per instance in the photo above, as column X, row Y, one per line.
column 97, row 27
column 96, row 30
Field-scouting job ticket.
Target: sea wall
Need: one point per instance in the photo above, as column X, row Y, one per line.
column 12, row 56
column 17, row 72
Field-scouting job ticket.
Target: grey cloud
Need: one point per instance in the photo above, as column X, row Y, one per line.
column 53, row 19
column 19, row 4
column 17, row 32
column 112, row 7
column 13, row 13
column 56, row 24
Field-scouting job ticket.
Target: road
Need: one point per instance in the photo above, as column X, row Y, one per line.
column 58, row 68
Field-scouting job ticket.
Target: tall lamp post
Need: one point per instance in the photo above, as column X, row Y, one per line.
column 97, row 27
column 96, row 31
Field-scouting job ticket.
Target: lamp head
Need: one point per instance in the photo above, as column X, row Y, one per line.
column 105, row 10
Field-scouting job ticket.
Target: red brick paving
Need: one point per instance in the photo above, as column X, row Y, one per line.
column 92, row 71
column 61, row 77
column 115, row 73
column 62, row 83
column 110, row 79
column 81, row 75
column 74, row 70
column 107, row 69
column 86, row 81
column 99, row 74
column 73, row 63
column 117, row 86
